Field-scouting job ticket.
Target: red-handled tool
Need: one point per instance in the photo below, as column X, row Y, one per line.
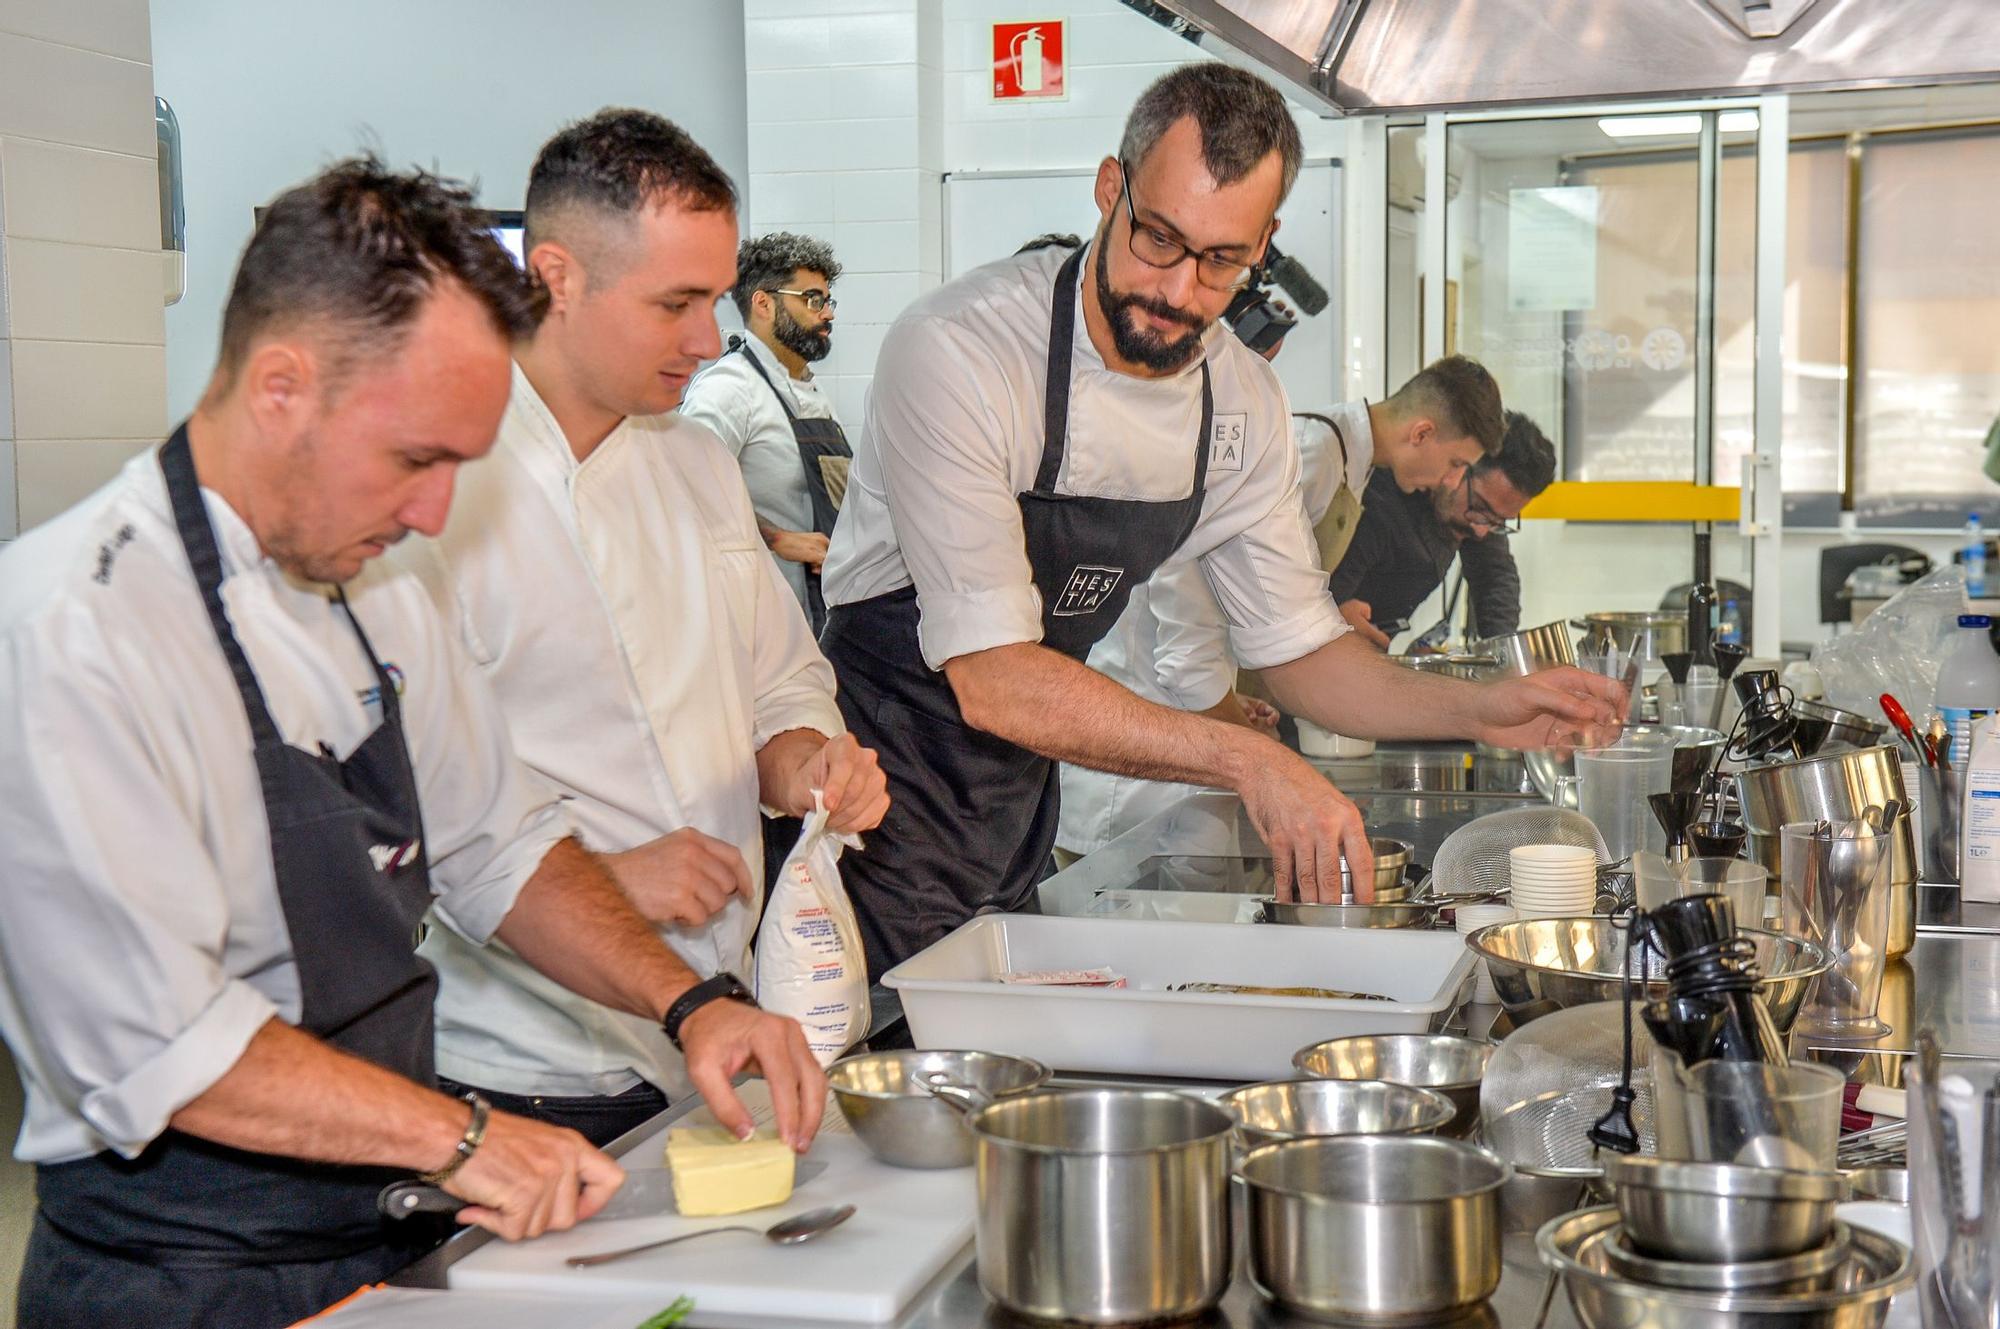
column 1900, row 718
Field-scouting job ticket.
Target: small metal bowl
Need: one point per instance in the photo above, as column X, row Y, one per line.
column 1549, row 964
column 1877, row 1268
column 1720, row 1212
column 1391, row 857
column 1451, row 1066
column 1881, row 1183
column 904, row 1125
column 1282, row 1110
column 1808, row 1271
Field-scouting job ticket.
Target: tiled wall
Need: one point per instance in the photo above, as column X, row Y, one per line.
column 82, row 333
column 858, row 107
column 268, row 93
column 846, row 143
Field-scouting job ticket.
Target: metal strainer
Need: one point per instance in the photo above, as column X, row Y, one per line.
column 1473, row 859
column 1549, row 1082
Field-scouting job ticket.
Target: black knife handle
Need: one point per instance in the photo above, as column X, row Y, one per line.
column 406, row 1199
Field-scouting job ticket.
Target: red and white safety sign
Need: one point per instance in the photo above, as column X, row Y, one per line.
column 1028, row 61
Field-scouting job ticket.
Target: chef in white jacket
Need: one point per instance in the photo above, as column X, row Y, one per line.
column 1171, row 645
column 605, row 570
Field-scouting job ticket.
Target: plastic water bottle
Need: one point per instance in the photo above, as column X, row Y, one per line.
column 1968, row 686
column 1974, row 558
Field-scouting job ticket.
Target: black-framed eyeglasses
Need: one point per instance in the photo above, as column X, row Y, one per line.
column 1156, row 249
column 815, row 299
column 1478, row 512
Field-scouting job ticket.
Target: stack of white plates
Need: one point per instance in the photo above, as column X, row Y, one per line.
column 1552, row 880
column 1471, row 918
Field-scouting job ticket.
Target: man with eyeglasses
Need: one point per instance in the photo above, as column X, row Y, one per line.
column 1043, row 435
column 761, row 400
column 1405, row 543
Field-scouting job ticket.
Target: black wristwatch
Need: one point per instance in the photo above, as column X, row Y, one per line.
column 723, row 987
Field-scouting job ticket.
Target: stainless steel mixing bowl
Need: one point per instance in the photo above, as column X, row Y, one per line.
column 1297, row 1109
column 1809, row 1271
column 1722, row 1213
column 906, row 1126
column 1549, row 964
column 1449, row 1065
column 1878, row 1268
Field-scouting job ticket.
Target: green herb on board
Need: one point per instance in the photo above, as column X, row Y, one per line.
column 672, row 1315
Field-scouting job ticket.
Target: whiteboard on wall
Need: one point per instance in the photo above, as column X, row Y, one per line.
column 990, row 214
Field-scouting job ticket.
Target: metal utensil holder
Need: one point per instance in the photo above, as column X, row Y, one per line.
column 1943, row 792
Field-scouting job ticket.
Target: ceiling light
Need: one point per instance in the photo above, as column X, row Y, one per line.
column 1674, row 126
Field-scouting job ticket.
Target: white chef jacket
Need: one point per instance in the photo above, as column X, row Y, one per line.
column 643, row 648
column 740, row 409
column 141, row 935
column 954, row 436
column 1171, row 644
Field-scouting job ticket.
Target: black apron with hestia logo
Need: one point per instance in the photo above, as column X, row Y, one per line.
column 194, row 1233
column 825, row 457
column 972, row 817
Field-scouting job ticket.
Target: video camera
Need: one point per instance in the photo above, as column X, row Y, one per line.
column 1257, row 321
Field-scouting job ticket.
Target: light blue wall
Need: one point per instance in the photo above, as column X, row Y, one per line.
column 267, row 93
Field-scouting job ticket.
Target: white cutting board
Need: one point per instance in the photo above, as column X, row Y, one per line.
column 908, row 1224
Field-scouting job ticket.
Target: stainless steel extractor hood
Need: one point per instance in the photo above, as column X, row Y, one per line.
column 1365, row 56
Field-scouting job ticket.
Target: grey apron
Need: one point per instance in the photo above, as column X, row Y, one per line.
column 825, row 458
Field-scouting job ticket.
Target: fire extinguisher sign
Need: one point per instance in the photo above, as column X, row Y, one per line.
column 1028, row 62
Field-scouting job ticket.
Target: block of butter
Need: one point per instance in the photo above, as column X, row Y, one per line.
column 716, row 1173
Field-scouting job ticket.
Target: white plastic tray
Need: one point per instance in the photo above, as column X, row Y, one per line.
column 953, row 996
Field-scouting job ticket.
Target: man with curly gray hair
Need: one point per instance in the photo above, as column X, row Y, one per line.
column 761, row 400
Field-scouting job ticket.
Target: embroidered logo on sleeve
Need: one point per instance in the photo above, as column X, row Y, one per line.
column 107, row 553
column 1225, row 446
column 1088, row 587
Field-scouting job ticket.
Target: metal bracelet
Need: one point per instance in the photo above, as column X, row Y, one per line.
column 468, row 1144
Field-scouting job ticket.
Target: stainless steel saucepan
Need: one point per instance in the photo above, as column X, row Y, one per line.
column 1103, row 1206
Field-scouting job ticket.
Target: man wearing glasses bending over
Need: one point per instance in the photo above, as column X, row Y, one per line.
column 1044, row 434
column 1404, row 545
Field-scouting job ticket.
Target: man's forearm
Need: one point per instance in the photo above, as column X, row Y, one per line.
column 1048, row 703
column 1351, row 688
column 290, row 1094
column 572, row 923
column 779, row 760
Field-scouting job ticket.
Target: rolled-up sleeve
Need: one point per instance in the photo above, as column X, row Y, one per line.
column 1266, row 576
column 113, row 914
column 719, row 401
column 942, row 446
column 1191, row 660
column 488, row 819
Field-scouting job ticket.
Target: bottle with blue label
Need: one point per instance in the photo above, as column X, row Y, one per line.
column 1968, row 686
column 1973, row 558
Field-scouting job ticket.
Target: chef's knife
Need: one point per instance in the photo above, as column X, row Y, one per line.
column 647, row 1193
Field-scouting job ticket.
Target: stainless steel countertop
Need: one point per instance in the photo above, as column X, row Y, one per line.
column 1950, row 981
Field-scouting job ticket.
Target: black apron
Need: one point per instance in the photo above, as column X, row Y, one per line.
column 972, row 817
column 825, row 457
column 195, row 1233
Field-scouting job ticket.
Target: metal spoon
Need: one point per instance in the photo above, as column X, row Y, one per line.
column 786, row 1232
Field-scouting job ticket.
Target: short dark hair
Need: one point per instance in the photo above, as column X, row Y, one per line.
column 1460, row 396
column 770, row 260
column 355, row 252
column 1242, row 120
column 1526, row 456
column 620, row 161
column 1051, row 240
